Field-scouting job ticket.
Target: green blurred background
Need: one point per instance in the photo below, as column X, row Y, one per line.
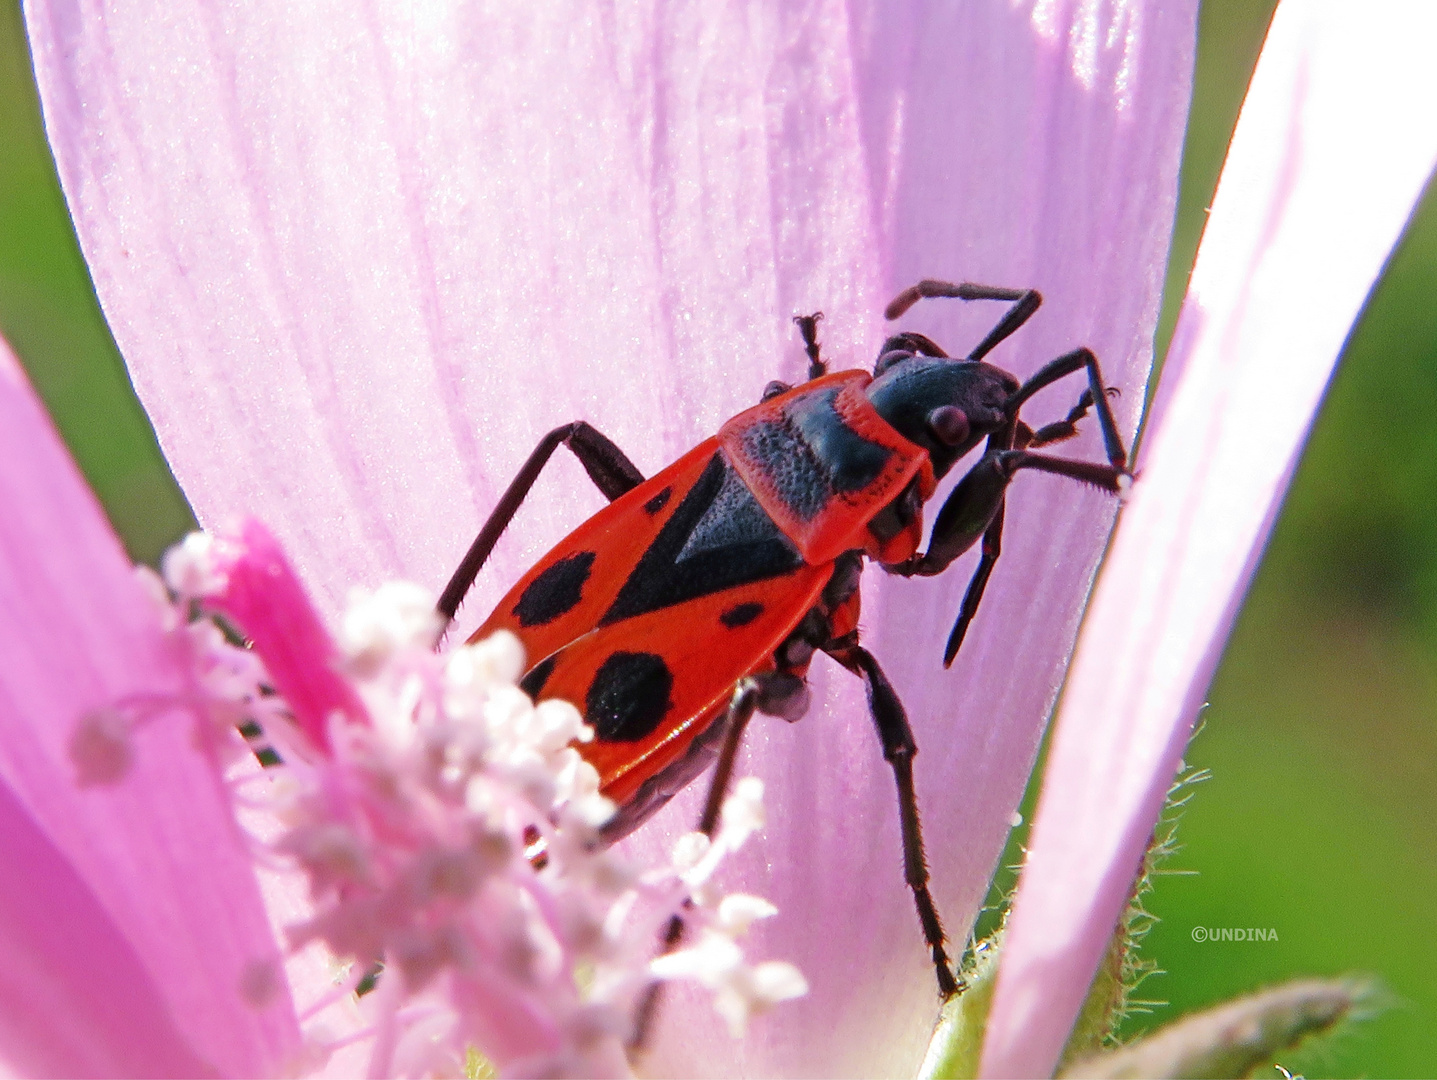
column 1320, row 818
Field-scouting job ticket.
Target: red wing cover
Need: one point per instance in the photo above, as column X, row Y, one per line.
column 647, row 615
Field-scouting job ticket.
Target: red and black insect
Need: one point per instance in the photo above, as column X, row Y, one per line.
column 700, row 595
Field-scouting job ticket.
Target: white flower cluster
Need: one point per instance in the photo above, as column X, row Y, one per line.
column 224, row 684
column 716, row 961
column 452, row 837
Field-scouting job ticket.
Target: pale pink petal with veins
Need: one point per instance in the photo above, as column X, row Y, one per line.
column 1336, row 139
column 360, row 259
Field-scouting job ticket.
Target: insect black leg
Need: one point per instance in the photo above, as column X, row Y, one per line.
column 973, row 595
column 972, row 506
column 1096, row 396
column 974, row 509
column 899, row 749
column 774, row 693
column 1024, row 301
column 1110, row 478
column 740, row 712
column 612, row 472
column 1062, row 429
column 808, row 327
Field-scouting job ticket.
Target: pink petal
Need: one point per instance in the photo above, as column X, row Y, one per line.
column 1335, row 141
column 75, row 998
column 267, row 602
column 360, row 259
column 158, row 852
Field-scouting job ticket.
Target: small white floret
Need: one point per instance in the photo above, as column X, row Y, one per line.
column 396, row 616
column 775, row 981
column 191, row 569
column 689, row 850
column 753, row 991
column 738, row 911
column 742, row 812
column 557, row 724
column 500, row 657
column 508, row 714
column 711, row 962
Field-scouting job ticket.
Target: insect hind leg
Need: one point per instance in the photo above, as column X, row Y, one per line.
column 610, row 469
column 899, row 749
column 774, row 693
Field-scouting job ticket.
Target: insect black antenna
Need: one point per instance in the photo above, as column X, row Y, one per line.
column 1024, row 301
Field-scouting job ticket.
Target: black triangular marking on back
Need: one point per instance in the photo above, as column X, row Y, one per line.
column 739, row 544
column 733, row 517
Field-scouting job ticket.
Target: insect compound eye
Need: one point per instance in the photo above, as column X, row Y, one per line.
column 949, row 424
column 888, row 359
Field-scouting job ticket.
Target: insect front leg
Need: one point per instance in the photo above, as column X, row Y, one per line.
column 978, row 510
column 1059, row 430
column 1096, row 397
column 610, row 469
column 973, row 595
column 974, row 508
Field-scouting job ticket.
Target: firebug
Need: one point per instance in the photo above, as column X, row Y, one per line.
column 700, row 595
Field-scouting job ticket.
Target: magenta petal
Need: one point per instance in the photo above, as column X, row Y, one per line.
column 266, row 601
column 75, row 999
column 1337, row 136
column 159, row 851
column 359, row 259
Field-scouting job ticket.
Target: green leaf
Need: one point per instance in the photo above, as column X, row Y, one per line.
column 1234, row 1039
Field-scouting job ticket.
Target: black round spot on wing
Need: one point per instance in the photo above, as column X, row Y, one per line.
column 538, row 675
column 629, row 696
column 741, row 614
column 555, row 591
column 659, row 501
